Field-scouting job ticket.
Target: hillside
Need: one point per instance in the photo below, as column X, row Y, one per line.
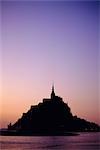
column 52, row 116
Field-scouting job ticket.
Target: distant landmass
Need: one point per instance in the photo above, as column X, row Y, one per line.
column 51, row 117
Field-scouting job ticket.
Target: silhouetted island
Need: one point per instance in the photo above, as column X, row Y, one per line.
column 52, row 117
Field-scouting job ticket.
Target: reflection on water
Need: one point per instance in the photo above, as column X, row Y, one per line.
column 85, row 141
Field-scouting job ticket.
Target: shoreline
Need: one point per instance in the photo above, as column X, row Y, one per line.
column 14, row 133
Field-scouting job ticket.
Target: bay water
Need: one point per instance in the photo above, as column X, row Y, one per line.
column 84, row 141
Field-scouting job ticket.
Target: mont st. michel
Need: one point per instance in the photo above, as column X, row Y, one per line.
column 51, row 117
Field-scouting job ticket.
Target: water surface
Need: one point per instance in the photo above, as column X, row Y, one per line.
column 85, row 141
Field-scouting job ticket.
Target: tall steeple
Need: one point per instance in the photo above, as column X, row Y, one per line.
column 52, row 93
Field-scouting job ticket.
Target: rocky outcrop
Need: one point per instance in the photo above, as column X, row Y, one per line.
column 53, row 116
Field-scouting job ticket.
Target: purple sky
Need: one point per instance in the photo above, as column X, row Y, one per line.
column 45, row 42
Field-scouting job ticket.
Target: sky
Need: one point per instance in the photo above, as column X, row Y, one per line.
column 46, row 42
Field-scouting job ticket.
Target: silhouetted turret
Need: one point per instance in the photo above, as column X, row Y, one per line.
column 52, row 93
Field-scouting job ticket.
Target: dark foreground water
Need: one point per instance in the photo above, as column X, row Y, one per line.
column 85, row 141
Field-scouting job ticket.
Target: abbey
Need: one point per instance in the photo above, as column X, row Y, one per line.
column 53, row 97
column 51, row 117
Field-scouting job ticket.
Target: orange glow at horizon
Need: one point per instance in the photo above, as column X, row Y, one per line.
column 15, row 102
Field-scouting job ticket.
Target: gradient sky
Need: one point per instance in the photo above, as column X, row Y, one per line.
column 45, row 42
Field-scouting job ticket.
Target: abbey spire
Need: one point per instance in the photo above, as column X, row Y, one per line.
column 52, row 93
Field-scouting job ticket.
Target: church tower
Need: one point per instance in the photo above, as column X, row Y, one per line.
column 52, row 93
